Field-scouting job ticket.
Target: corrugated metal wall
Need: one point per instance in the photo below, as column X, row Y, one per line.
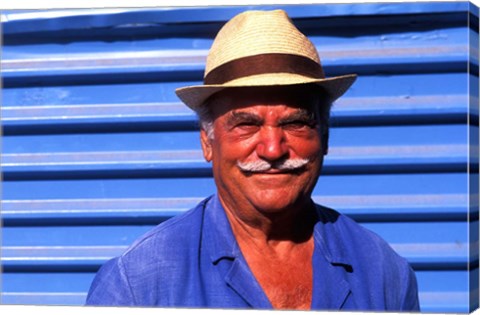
column 97, row 149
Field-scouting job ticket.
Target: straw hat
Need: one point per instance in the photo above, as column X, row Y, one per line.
column 261, row 48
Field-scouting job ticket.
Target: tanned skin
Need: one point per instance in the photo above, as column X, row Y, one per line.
column 271, row 212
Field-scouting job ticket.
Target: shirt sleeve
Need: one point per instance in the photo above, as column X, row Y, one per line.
column 110, row 287
column 410, row 296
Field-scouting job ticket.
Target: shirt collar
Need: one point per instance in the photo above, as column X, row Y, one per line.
column 218, row 231
column 223, row 244
column 327, row 237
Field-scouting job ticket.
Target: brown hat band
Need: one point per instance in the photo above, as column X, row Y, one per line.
column 261, row 64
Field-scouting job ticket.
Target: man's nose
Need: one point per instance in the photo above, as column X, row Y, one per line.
column 272, row 145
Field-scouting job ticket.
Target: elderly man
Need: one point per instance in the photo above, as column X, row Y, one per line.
column 261, row 242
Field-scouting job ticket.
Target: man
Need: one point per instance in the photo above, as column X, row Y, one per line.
column 261, row 242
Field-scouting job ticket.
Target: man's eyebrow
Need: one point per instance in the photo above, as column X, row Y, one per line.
column 301, row 115
column 236, row 117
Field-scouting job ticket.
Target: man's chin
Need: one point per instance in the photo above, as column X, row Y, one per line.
column 278, row 202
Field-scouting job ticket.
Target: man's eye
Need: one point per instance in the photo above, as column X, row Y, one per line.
column 247, row 125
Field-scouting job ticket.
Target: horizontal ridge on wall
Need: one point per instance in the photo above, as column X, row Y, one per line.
column 187, row 65
column 341, row 160
column 346, row 111
column 18, row 22
column 76, row 258
column 364, row 208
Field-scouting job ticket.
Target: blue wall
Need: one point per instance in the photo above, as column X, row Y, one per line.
column 97, row 149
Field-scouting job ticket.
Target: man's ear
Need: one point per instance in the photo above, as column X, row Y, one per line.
column 206, row 145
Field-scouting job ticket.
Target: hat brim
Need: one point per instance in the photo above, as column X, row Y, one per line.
column 195, row 96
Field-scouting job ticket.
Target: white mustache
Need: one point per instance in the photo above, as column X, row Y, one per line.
column 262, row 165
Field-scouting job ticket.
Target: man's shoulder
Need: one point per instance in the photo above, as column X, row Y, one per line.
column 173, row 235
column 349, row 239
column 158, row 257
column 376, row 271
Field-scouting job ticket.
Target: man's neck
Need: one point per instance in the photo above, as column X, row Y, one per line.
column 277, row 231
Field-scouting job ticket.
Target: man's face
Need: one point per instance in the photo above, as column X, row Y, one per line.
column 266, row 149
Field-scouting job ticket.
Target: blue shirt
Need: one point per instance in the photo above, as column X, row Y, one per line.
column 193, row 260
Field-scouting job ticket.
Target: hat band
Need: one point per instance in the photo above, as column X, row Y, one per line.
column 262, row 64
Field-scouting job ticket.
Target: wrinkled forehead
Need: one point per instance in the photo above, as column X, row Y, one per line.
column 235, row 99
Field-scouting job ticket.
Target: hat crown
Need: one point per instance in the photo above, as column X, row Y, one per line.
column 260, row 49
column 258, row 33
